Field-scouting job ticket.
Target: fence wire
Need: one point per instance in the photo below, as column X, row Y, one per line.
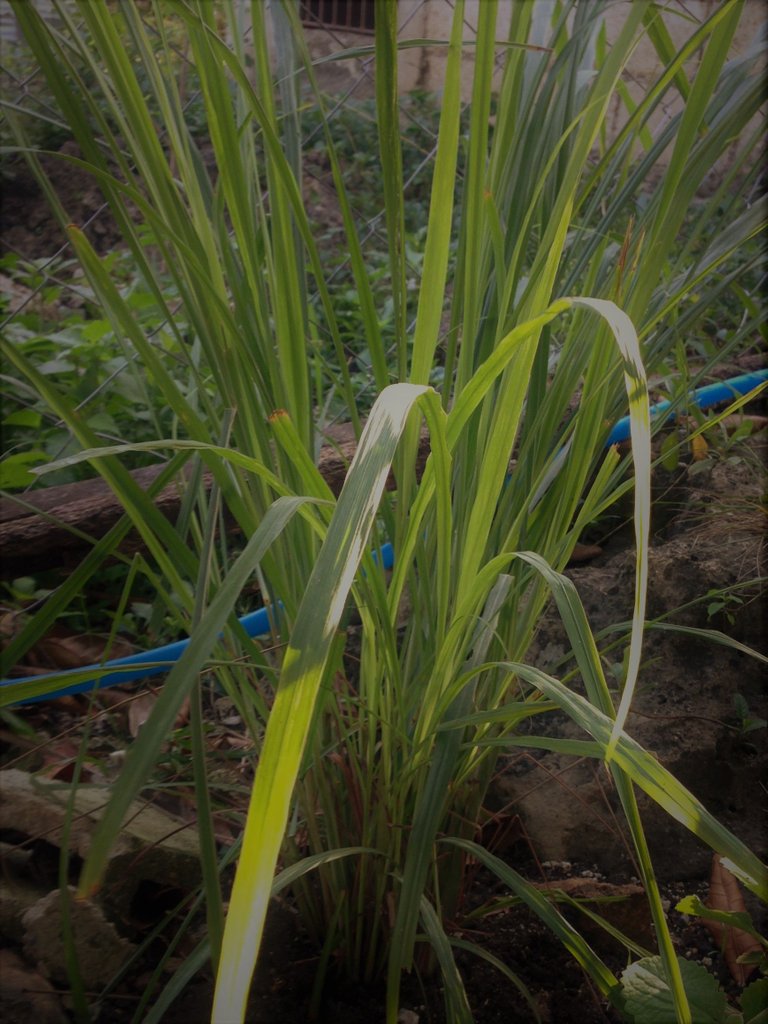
column 25, row 96
column 330, row 28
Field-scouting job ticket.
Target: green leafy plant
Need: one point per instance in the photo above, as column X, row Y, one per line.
column 747, row 721
column 645, row 996
column 77, row 350
column 725, row 603
column 382, row 775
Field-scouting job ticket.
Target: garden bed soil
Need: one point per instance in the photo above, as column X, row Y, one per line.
column 30, row 230
column 559, row 814
column 694, row 704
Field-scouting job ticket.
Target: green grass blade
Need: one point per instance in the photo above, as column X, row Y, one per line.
column 432, row 291
column 214, row 907
column 715, row 636
column 181, row 679
column 456, row 1004
column 294, row 707
column 288, row 876
column 501, row 967
column 646, row 772
column 544, row 909
column 59, row 601
column 388, row 118
column 154, row 528
column 640, row 422
column 194, row 963
column 659, row 35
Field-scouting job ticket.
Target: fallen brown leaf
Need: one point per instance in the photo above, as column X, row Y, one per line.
column 59, row 760
column 699, row 448
column 139, row 711
column 61, row 649
column 624, row 906
column 737, row 419
column 182, row 715
column 725, row 894
column 585, row 552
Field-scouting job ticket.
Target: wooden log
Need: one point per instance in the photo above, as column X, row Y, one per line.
column 41, row 529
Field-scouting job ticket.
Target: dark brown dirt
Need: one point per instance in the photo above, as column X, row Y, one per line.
column 689, row 689
column 568, row 832
column 28, row 226
column 31, row 230
column 709, row 535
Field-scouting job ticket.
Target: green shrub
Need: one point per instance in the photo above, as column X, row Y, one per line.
column 382, row 776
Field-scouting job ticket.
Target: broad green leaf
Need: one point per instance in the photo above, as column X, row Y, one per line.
column 754, row 1002
column 16, row 470
column 647, row 999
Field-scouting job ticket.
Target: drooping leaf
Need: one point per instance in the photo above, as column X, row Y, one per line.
column 294, row 707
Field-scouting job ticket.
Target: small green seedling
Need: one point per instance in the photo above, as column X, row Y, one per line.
column 722, row 602
column 747, row 721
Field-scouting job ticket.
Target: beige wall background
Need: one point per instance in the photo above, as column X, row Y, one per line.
column 431, row 19
column 423, row 67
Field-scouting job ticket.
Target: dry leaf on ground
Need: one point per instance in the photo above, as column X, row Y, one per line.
column 725, row 894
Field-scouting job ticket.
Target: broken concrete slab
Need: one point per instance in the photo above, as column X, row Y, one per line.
column 99, row 950
column 151, row 849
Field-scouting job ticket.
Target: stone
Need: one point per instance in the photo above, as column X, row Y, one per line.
column 100, row 950
column 26, row 995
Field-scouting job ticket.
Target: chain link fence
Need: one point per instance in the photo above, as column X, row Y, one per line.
column 332, row 27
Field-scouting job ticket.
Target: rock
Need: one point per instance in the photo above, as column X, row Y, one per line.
column 407, row 1017
column 18, row 892
column 26, row 995
column 151, row 853
column 685, row 708
column 99, row 949
column 561, row 801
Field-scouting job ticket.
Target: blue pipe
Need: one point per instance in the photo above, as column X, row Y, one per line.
column 158, row 660
column 711, row 394
column 161, row 659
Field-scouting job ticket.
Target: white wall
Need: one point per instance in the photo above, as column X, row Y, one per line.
column 433, row 20
column 423, row 67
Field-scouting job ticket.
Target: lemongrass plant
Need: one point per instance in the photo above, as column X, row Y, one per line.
column 375, row 782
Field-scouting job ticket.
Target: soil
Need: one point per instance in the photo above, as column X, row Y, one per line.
column 30, row 230
column 560, row 813
column 709, row 534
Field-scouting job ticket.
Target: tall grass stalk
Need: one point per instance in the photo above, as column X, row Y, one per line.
column 384, row 773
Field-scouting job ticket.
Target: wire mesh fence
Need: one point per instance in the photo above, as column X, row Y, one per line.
column 212, row 280
column 32, row 237
column 339, row 38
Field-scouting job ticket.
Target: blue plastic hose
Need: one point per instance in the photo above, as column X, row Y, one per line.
column 161, row 659
column 711, row 394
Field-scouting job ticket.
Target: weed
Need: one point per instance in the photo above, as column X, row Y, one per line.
column 249, row 343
